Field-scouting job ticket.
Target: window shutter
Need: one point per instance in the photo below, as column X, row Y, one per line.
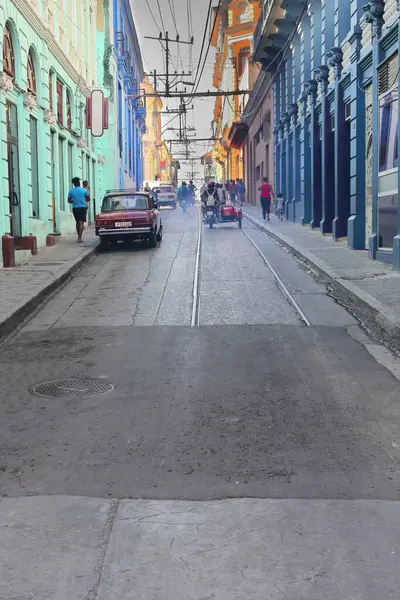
column 388, row 74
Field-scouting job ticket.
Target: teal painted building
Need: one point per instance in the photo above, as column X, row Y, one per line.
column 52, row 54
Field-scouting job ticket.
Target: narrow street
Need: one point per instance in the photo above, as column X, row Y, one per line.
column 246, row 445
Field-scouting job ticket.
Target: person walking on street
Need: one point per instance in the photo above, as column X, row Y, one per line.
column 266, row 193
column 85, row 184
column 192, row 188
column 79, row 197
column 232, row 191
column 241, row 191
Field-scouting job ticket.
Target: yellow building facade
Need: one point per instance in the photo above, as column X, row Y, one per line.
column 232, row 38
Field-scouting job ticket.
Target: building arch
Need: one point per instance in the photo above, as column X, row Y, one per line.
column 33, row 79
column 11, row 56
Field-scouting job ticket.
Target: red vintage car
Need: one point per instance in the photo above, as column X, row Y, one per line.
column 127, row 216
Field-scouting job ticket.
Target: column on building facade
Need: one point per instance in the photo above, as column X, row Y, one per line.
column 328, row 28
column 305, row 162
column 327, row 152
column 374, row 11
column 288, row 190
column 306, row 35
column 315, row 158
column 297, row 210
column 396, row 239
column 315, row 34
column 341, row 152
column 327, row 149
column 277, row 148
column 282, row 153
column 356, row 224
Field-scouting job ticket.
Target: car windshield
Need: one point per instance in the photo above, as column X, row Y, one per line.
column 131, row 202
column 166, row 189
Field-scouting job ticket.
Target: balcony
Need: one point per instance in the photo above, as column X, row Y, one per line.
column 276, row 24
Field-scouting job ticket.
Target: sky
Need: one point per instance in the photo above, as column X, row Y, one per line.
column 153, row 58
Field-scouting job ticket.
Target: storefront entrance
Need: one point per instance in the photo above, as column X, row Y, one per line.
column 13, row 174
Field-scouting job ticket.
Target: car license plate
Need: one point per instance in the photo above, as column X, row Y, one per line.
column 124, row 224
column 210, row 212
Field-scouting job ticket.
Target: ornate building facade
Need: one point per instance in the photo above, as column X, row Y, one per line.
column 333, row 69
column 232, row 36
column 47, row 67
column 130, row 111
column 52, row 55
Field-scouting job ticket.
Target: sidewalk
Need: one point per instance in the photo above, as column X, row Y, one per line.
column 369, row 289
column 69, row 548
column 24, row 288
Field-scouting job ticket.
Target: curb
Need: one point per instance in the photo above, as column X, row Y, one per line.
column 377, row 318
column 18, row 318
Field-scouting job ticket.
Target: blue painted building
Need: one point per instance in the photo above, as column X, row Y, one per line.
column 333, row 68
column 130, row 112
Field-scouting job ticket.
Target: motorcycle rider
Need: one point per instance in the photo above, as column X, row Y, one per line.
column 210, row 197
column 184, row 195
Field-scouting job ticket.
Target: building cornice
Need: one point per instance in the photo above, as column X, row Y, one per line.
column 245, row 28
column 35, row 21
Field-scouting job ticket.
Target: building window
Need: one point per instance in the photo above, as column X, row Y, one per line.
column 69, row 112
column 51, row 91
column 34, row 166
column 60, row 115
column 70, row 164
column 8, row 53
column 62, row 190
column 347, row 111
column 31, row 75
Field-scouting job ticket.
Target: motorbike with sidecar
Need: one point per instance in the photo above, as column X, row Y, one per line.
column 223, row 213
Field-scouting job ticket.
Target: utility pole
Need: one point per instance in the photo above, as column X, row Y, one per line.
column 167, row 73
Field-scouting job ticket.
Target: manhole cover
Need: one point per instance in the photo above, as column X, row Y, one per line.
column 71, row 387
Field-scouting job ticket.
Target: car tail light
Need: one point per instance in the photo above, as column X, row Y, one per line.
column 103, row 223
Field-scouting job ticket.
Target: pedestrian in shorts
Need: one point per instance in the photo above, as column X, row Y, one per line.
column 78, row 196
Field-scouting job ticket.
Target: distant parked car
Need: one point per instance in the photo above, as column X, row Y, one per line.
column 166, row 195
column 127, row 216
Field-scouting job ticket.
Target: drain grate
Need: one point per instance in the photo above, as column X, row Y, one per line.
column 71, row 388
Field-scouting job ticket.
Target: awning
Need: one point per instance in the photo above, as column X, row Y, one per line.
column 237, row 135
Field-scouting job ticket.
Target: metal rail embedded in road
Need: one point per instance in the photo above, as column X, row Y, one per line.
column 196, row 283
column 279, row 281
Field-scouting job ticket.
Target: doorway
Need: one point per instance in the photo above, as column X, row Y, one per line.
column 13, row 174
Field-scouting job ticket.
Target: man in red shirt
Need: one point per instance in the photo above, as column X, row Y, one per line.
column 266, row 192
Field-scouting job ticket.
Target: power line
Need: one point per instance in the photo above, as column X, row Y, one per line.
column 204, row 38
column 152, row 16
column 161, row 17
column 208, row 49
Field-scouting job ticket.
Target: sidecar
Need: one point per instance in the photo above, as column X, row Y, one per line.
column 231, row 214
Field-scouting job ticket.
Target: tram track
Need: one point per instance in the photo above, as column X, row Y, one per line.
column 194, row 322
column 195, row 317
column 289, row 297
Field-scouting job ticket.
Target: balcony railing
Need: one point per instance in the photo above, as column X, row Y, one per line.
column 266, row 11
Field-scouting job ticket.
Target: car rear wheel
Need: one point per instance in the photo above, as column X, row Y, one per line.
column 159, row 234
column 153, row 240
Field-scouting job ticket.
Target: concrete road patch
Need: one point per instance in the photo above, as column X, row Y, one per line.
column 51, row 547
column 253, row 550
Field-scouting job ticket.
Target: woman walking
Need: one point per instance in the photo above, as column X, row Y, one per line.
column 266, row 193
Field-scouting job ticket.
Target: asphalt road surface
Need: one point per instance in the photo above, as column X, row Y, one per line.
column 249, row 456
